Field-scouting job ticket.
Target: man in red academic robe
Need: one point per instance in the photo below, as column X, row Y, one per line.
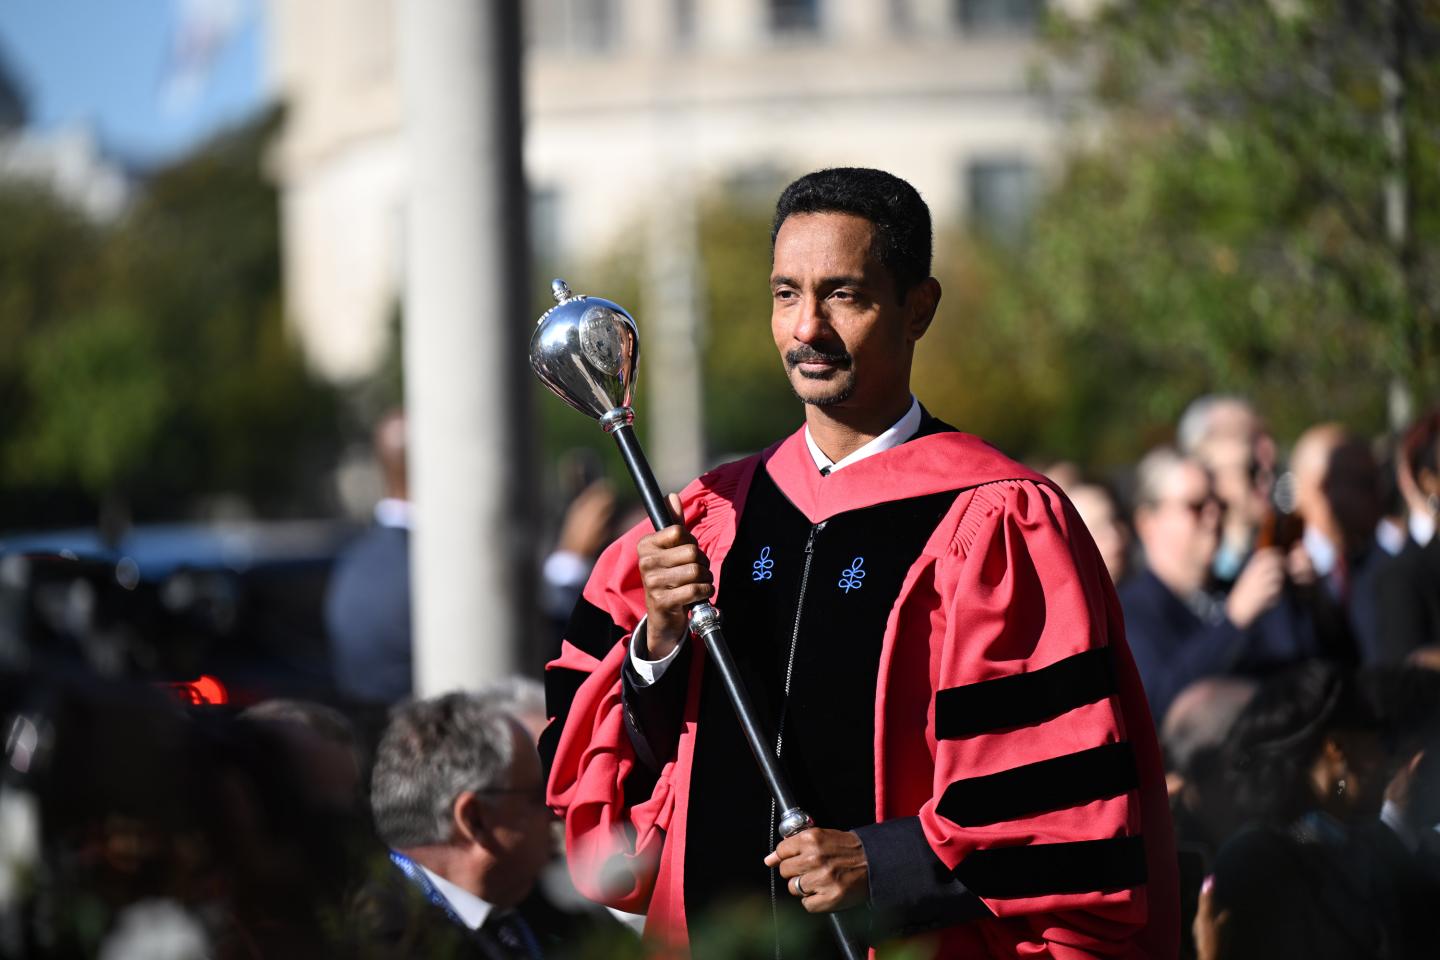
column 927, row 630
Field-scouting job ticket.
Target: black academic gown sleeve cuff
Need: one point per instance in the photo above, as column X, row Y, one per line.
column 654, row 712
column 911, row 890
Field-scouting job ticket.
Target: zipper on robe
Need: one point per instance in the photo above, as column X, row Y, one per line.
column 784, row 705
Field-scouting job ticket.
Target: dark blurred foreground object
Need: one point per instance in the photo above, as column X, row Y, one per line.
column 1315, row 875
column 240, row 603
column 1410, row 711
column 149, row 809
column 322, row 747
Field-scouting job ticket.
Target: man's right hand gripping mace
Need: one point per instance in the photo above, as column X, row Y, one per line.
column 586, row 350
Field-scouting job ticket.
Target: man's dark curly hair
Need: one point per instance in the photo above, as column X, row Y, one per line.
column 901, row 218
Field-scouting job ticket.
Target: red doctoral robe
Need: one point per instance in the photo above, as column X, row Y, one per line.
column 1009, row 727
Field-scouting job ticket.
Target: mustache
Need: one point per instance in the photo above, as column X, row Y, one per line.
column 808, row 354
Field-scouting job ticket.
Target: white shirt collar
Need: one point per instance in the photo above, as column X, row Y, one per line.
column 391, row 512
column 468, row 907
column 1322, row 552
column 1391, row 536
column 902, row 430
column 1422, row 528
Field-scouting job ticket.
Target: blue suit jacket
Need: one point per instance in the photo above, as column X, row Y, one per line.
column 1173, row 647
column 367, row 613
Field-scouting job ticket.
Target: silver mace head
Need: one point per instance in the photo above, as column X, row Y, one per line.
column 585, row 350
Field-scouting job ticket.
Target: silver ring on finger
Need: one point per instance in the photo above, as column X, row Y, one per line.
column 798, row 889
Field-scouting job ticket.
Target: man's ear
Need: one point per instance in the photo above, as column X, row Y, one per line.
column 467, row 816
column 920, row 304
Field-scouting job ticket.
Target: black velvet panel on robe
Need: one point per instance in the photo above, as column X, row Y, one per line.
column 826, row 725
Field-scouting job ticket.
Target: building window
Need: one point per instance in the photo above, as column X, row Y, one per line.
column 580, row 26
column 999, row 16
column 594, row 24
column 1001, row 193
column 901, row 19
column 794, row 16
column 754, row 187
column 684, row 12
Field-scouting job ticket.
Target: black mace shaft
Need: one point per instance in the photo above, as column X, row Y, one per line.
column 705, row 620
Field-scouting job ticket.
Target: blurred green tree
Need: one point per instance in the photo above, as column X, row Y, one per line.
column 99, row 399
column 1251, row 206
column 151, row 363
column 47, row 269
column 1248, row 202
column 748, row 401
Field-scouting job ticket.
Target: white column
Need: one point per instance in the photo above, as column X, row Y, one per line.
column 466, row 329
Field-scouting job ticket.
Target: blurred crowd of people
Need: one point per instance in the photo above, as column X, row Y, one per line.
column 135, row 827
column 1283, row 608
column 1285, row 620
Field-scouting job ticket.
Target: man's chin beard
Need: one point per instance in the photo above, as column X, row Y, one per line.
column 830, row 400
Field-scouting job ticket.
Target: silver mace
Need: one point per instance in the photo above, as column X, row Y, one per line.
column 585, row 349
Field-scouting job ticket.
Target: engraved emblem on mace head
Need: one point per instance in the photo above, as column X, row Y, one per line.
column 600, row 341
column 585, row 349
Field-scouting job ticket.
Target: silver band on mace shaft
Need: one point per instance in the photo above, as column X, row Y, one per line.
column 794, row 821
column 619, row 417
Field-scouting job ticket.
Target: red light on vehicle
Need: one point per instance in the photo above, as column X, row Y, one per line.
column 205, row 691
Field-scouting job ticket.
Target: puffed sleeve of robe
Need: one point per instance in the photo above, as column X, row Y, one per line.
column 1047, row 776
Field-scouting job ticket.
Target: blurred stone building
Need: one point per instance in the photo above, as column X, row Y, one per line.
column 633, row 108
